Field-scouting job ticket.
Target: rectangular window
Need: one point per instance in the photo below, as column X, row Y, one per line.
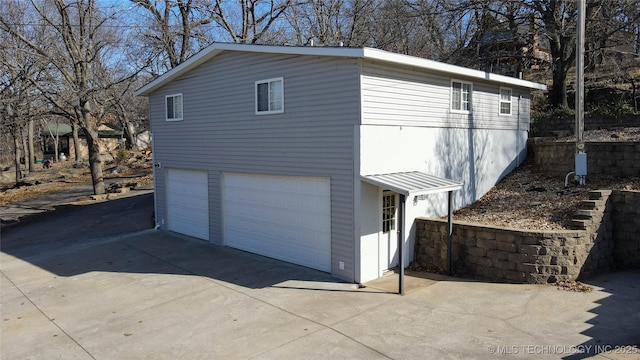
column 174, row 107
column 461, row 96
column 505, row 101
column 389, row 210
column 270, row 96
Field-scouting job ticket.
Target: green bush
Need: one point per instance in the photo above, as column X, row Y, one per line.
column 619, row 110
column 553, row 113
column 122, row 155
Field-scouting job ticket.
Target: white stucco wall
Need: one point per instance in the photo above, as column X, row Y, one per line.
column 370, row 227
column 477, row 157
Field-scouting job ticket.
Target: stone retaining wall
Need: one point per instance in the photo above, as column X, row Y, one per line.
column 549, row 127
column 611, row 158
column 626, row 228
column 603, row 239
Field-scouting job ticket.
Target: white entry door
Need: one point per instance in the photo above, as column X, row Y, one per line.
column 388, row 242
column 188, row 202
column 283, row 217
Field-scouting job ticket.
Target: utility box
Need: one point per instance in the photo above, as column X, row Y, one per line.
column 581, row 164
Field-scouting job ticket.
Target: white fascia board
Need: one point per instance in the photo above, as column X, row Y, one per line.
column 368, row 53
column 436, row 66
column 216, row 48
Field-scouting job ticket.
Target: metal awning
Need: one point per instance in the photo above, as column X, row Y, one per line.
column 412, row 183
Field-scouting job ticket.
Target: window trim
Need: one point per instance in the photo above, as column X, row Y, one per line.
column 500, row 101
column 166, row 111
column 470, row 101
column 268, row 82
column 389, row 212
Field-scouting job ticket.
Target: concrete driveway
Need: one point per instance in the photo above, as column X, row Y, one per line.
column 158, row 295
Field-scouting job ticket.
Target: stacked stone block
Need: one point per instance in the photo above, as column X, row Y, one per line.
column 604, row 158
column 607, row 229
column 626, row 228
column 552, row 126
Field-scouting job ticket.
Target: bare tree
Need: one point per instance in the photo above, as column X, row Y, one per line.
column 554, row 22
column 175, row 29
column 250, row 20
column 613, row 32
column 13, row 115
column 20, row 103
column 128, row 112
column 325, row 22
column 82, row 43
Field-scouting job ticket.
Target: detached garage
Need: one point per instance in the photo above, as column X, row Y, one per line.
column 307, row 154
column 286, row 218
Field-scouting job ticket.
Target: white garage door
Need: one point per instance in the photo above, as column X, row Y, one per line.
column 287, row 218
column 188, row 202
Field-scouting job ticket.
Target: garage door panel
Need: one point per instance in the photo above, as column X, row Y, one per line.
column 188, row 202
column 287, row 218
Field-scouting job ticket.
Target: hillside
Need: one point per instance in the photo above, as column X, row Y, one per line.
column 530, row 199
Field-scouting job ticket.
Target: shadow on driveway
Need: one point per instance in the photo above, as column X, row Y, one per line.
column 111, row 237
column 614, row 328
column 96, row 282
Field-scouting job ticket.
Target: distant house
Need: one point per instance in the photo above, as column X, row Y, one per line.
column 311, row 154
column 508, row 51
column 143, row 140
column 110, row 139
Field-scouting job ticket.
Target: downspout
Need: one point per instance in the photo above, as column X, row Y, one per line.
column 401, row 244
column 449, row 232
column 518, row 144
column 156, row 168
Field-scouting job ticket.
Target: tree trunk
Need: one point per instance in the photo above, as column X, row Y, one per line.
column 95, row 163
column 76, row 142
column 130, row 136
column 634, row 96
column 558, row 92
column 16, row 153
column 25, row 153
column 32, row 154
column 55, row 149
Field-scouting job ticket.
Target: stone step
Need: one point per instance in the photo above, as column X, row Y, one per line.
column 578, row 224
column 599, row 194
column 582, row 214
column 589, row 204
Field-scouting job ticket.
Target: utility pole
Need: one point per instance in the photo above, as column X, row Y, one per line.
column 581, row 155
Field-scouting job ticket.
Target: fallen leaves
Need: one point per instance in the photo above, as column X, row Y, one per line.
column 571, row 285
column 529, row 199
column 66, row 175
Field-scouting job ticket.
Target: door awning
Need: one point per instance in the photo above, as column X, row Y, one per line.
column 412, row 183
column 415, row 183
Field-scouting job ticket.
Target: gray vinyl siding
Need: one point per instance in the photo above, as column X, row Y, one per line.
column 221, row 132
column 404, row 96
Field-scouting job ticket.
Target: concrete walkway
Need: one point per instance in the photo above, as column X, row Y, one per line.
column 158, row 295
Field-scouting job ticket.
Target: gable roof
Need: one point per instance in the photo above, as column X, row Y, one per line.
column 365, row 53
